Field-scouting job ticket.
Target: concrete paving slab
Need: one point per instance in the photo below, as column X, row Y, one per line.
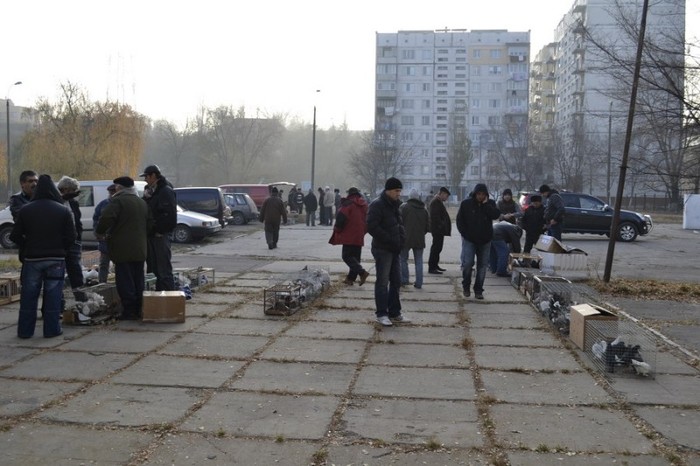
column 579, row 429
column 482, row 319
column 267, row 415
column 521, row 358
column 537, row 388
column 307, row 349
column 423, row 305
column 680, row 425
column 664, row 389
column 8, row 337
column 417, row 422
column 500, row 308
column 70, row 366
column 8, row 316
column 530, row 458
column 296, row 377
column 196, row 450
column 417, row 355
column 250, row 310
column 221, row 298
column 498, row 294
column 429, row 335
column 667, row 363
column 168, row 371
column 118, row 341
column 205, row 309
column 64, row 445
column 685, row 335
column 367, row 455
column 124, row 405
column 356, row 303
column 514, row 337
column 445, row 319
column 418, row 295
column 189, row 324
column 347, row 316
column 10, row 354
column 332, row 330
column 232, row 326
column 416, row 382
column 222, row 346
column 19, row 397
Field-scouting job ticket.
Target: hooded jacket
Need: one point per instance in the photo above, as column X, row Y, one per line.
column 351, row 222
column 415, row 222
column 385, row 225
column 474, row 219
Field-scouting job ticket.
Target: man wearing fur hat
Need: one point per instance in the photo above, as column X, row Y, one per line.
column 385, row 226
column 475, row 223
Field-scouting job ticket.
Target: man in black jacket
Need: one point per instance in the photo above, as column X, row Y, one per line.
column 43, row 231
column 385, row 226
column 27, row 182
column 553, row 212
column 440, row 226
column 162, row 205
column 475, row 223
column 311, row 204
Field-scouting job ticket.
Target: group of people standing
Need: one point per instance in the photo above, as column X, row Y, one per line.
column 47, row 230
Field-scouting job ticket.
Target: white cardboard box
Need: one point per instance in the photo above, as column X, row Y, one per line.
column 554, row 263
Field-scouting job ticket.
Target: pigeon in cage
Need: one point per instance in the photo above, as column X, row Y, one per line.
column 641, row 367
column 599, row 348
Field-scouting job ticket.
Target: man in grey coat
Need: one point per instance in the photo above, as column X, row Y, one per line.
column 415, row 222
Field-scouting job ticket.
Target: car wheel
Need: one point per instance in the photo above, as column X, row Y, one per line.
column 627, row 232
column 182, row 234
column 5, row 240
column 238, row 219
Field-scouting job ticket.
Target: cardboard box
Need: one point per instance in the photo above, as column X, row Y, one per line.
column 163, row 306
column 555, row 262
column 550, row 244
column 580, row 314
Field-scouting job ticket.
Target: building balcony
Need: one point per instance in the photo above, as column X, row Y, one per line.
column 386, row 93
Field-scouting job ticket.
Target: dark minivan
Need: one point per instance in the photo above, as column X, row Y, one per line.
column 205, row 200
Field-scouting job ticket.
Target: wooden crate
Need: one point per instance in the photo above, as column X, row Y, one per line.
column 10, row 288
column 513, row 256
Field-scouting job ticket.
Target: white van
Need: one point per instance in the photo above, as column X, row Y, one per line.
column 91, row 194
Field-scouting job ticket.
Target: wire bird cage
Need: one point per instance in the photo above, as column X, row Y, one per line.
column 620, row 347
column 286, row 297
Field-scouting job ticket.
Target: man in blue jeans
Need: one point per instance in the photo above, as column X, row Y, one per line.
column 44, row 230
column 506, row 238
column 385, row 226
column 553, row 212
column 475, row 223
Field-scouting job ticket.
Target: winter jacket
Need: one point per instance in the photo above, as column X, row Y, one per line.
column 351, row 222
column 511, row 234
column 17, row 201
column 508, row 207
column 415, row 222
column 162, row 203
column 126, row 221
column 74, row 206
column 440, row 223
column 385, row 225
column 272, row 210
column 310, row 202
column 532, row 220
column 475, row 220
column 555, row 207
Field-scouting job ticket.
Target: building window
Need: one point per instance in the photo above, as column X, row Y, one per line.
column 427, row 71
column 476, row 88
column 406, row 103
column 407, row 120
column 461, row 59
column 426, row 138
column 408, row 54
column 442, row 68
column 494, row 103
column 425, row 104
column 442, row 51
column 476, row 53
column 407, row 136
column 425, row 169
column 425, row 120
column 476, row 103
column 410, row 70
column 475, row 170
column 495, row 70
column 426, row 54
column 496, row 53
column 442, row 93
column 476, row 70
column 441, row 84
column 475, row 120
column 408, row 87
column 442, row 117
column 386, row 69
column 460, row 84
column 496, row 87
column 494, row 120
column 426, row 87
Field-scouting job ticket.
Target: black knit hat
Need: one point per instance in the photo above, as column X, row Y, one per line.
column 393, row 183
column 124, row 181
column 507, row 191
column 544, row 189
column 444, row 190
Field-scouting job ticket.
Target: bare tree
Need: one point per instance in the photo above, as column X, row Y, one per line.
column 379, row 157
column 459, row 152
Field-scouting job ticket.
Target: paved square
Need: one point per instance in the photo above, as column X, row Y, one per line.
column 416, row 382
column 296, row 377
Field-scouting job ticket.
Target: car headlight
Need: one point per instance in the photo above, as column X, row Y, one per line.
column 207, row 224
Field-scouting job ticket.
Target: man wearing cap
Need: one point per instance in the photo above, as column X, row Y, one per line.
column 475, row 223
column 388, row 237
column 103, row 271
column 162, row 204
column 553, row 212
column 349, row 230
column 124, row 224
column 272, row 213
column 440, row 226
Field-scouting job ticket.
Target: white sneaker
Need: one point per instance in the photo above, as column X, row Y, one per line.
column 384, row 320
column 400, row 319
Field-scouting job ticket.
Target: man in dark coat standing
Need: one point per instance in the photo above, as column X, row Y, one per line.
column 271, row 214
column 311, row 204
column 440, row 226
column 415, row 222
column 475, row 223
column 388, row 237
column 349, row 230
column 27, row 181
column 44, row 230
column 553, row 212
column 162, row 204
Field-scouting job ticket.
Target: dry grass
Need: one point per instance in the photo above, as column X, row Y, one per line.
column 649, row 289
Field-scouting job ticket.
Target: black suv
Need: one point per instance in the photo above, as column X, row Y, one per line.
column 588, row 214
column 205, row 200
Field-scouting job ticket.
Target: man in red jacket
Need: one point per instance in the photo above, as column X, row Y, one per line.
column 349, row 230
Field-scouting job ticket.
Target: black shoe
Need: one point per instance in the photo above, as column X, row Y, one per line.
column 441, row 269
column 435, row 271
column 478, row 295
column 270, row 246
column 467, row 293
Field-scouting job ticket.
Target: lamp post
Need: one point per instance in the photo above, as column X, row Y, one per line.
column 313, row 147
column 609, row 149
column 9, row 159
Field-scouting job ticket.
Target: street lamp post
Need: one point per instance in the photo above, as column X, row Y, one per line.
column 313, row 148
column 609, row 149
column 9, row 159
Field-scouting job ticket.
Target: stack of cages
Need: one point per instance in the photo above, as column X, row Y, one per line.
column 195, row 277
column 553, row 298
column 620, row 348
column 523, row 280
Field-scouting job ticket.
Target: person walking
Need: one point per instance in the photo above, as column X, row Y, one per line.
column 554, row 211
column 349, row 230
column 162, row 204
column 385, row 226
column 124, row 224
column 475, row 223
column 44, row 231
column 311, row 204
column 440, row 226
column 272, row 213
column 103, row 271
column 416, row 223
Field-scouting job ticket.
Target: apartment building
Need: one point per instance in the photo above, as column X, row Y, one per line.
column 433, row 87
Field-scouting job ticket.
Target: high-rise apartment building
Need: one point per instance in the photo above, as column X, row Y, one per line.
column 434, row 89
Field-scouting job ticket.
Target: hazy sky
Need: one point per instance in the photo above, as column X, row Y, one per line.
column 168, row 58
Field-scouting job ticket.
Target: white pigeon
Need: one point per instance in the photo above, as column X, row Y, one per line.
column 641, row 367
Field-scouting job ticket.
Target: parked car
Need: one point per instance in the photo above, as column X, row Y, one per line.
column 257, row 192
column 205, row 200
column 243, row 209
column 193, row 225
column 588, row 214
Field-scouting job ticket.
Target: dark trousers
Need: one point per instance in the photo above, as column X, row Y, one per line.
column 435, row 250
column 352, row 255
column 74, row 268
column 272, row 234
column 555, row 231
column 129, row 278
column 388, row 283
column 48, row 274
column 530, row 240
column 321, row 215
column 159, row 262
